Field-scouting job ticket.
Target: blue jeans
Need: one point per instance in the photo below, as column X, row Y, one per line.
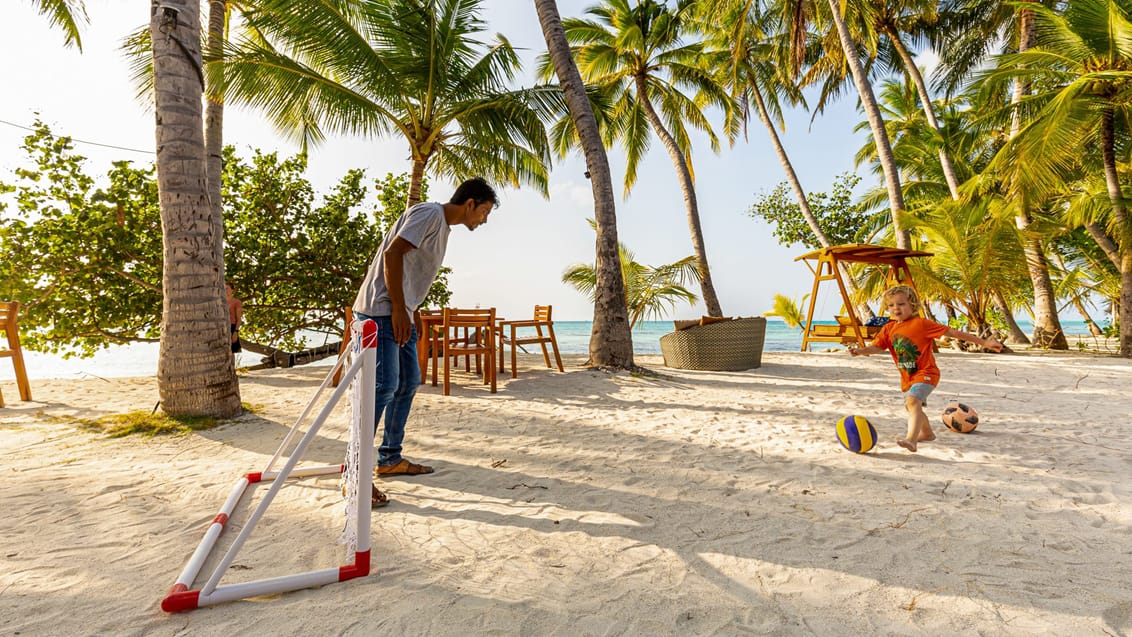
column 398, row 376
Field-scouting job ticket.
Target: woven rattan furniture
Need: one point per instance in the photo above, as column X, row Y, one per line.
column 725, row 346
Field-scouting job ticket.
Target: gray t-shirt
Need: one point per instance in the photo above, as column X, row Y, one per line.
column 424, row 226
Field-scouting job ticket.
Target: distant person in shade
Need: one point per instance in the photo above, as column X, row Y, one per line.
column 235, row 316
column 396, row 283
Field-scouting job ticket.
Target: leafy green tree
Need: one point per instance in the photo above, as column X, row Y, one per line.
column 836, row 212
column 412, row 68
column 635, row 58
column 650, row 290
column 86, row 261
column 916, row 143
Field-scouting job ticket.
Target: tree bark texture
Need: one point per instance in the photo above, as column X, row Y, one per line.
column 1047, row 326
column 1121, row 221
column 416, row 179
column 214, row 125
column 1016, row 334
column 929, row 110
column 195, row 370
column 611, row 341
column 684, row 174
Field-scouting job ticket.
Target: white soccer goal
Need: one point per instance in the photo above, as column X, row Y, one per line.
column 360, row 377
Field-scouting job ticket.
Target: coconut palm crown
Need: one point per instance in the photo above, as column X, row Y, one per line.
column 413, row 68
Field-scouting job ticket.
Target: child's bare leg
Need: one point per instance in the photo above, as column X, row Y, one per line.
column 926, row 432
column 917, row 420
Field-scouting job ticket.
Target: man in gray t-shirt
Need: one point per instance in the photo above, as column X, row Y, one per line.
column 397, row 281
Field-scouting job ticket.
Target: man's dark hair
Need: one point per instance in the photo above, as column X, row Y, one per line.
column 475, row 189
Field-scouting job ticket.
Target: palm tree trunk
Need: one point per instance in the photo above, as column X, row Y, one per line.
column 1111, row 250
column 214, row 126
column 1125, row 316
column 1016, row 333
column 1120, row 219
column 1047, row 325
column 800, row 194
column 1094, row 329
column 876, row 123
column 929, row 110
column 788, row 167
column 195, row 369
column 415, row 181
column 680, row 162
column 611, row 340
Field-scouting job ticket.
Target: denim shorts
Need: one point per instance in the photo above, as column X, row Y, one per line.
column 921, row 391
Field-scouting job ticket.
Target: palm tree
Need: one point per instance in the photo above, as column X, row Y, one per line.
column 915, row 144
column 789, row 310
column 407, row 67
column 69, row 15
column 757, row 72
column 651, row 290
column 915, row 18
column 611, row 339
column 975, row 252
column 973, row 28
column 634, row 58
column 1081, row 61
column 876, row 121
column 756, row 68
column 195, row 370
column 214, row 119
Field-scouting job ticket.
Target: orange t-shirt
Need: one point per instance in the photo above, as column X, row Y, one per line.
column 910, row 343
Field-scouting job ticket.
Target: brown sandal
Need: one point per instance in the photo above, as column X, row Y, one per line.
column 403, row 468
column 378, row 498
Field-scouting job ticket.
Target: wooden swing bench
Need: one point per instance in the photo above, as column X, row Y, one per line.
column 849, row 328
column 846, row 331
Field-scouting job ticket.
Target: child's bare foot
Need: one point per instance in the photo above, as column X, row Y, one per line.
column 910, row 445
column 926, row 436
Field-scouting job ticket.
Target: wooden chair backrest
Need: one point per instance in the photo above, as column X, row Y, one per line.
column 458, row 317
column 9, row 313
column 542, row 313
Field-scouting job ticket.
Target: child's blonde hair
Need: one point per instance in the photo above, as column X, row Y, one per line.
column 909, row 293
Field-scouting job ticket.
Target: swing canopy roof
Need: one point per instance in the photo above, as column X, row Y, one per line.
column 864, row 253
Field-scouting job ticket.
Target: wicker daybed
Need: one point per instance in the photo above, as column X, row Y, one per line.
column 725, row 345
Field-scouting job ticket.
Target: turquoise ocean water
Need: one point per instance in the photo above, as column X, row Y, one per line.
column 140, row 359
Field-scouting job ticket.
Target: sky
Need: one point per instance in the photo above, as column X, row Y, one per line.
column 516, row 260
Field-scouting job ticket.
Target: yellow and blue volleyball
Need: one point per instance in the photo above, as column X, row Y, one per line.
column 856, row 434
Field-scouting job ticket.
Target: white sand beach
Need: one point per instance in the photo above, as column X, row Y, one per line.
column 590, row 503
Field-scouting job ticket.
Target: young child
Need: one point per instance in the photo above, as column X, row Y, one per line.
column 909, row 338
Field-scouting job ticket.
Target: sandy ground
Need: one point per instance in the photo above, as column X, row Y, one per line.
column 589, row 503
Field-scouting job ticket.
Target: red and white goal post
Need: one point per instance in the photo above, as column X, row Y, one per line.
column 360, row 378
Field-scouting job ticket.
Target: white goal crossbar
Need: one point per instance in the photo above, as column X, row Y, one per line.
column 360, row 376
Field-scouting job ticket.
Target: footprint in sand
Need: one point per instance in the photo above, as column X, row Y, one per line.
column 1119, row 618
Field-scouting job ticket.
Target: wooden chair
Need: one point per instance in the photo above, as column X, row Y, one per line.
column 9, row 312
column 479, row 327
column 542, row 318
column 429, row 326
